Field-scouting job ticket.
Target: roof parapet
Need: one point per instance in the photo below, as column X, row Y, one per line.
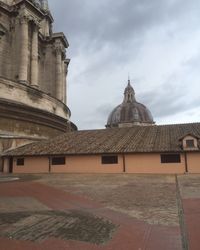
column 61, row 35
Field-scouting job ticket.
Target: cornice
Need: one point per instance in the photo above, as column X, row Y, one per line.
column 15, row 7
column 61, row 36
column 35, row 92
column 16, row 111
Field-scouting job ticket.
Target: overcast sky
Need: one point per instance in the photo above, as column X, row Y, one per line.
column 157, row 42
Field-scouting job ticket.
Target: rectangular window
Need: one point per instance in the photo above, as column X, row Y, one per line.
column 58, row 161
column 20, row 162
column 170, row 158
column 190, row 143
column 109, row 159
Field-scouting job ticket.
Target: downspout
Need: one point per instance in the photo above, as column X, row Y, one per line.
column 49, row 164
column 186, row 163
column 124, row 164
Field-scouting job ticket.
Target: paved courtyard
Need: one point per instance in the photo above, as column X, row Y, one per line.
column 96, row 211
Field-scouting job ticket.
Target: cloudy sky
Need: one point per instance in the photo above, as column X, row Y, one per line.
column 157, row 42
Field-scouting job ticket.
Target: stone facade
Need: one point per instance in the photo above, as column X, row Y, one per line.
column 33, row 71
column 31, row 53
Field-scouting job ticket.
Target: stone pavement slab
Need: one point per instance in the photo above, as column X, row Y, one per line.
column 114, row 229
column 20, row 204
column 190, row 195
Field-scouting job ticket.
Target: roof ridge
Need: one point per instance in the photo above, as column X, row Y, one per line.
column 156, row 138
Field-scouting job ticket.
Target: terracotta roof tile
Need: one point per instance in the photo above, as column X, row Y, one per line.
column 158, row 138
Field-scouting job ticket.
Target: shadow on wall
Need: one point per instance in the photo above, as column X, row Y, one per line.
column 1, row 165
column 1, row 160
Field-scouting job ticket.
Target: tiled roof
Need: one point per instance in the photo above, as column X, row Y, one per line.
column 158, row 138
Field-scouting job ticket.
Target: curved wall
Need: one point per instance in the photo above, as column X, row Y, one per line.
column 32, row 97
column 33, row 75
column 28, row 115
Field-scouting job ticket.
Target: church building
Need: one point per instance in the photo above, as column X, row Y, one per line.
column 33, row 75
column 131, row 143
column 36, row 134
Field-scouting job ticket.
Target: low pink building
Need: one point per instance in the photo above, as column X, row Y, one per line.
column 161, row 149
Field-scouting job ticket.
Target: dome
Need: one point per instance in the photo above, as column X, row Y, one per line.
column 130, row 112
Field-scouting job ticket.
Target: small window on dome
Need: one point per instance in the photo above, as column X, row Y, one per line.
column 190, row 144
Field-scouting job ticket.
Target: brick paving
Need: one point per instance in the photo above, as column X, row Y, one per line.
column 64, row 220
column 150, row 198
column 190, row 194
column 70, row 225
column 192, row 218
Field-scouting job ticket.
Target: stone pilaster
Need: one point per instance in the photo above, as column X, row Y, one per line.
column 66, row 64
column 59, row 71
column 23, row 66
column 34, row 57
column 64, row 80
column 2, row 31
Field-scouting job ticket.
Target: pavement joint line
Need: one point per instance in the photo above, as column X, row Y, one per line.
column 104, row 212
column 183, row 227
column 8, row 179
column 146, row 237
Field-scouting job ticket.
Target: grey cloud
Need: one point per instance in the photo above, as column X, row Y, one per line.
column 107, row 36
column 193, row 62
column 168, row 101
column 104, row 110
column 116, row 22
column 98, row 118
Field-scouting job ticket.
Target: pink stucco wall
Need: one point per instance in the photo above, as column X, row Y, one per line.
column 150, row 163
column 6, row 165
column 32, row 165
column 135, row 163
column 193, row 160
column 88, row 164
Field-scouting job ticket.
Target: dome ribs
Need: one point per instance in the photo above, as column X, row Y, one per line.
column 129, row 112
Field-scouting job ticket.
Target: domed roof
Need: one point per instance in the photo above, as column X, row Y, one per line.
column 130, row 112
